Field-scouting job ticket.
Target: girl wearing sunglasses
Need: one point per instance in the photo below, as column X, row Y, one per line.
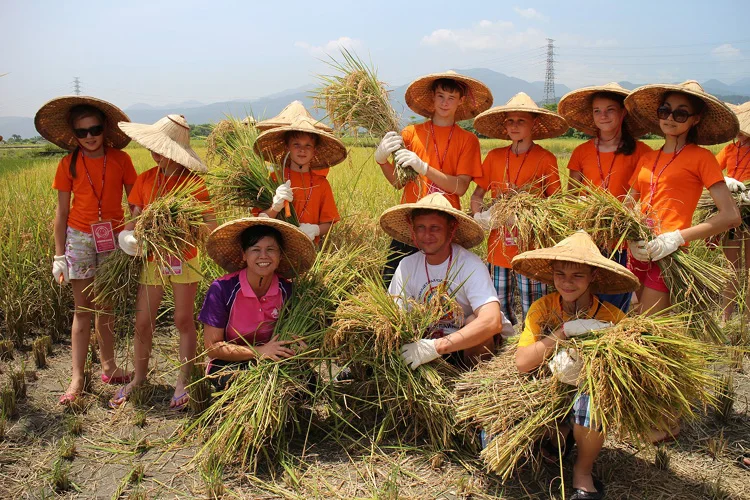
column 89, row 183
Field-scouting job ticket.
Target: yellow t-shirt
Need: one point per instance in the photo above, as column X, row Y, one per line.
column 546, row 315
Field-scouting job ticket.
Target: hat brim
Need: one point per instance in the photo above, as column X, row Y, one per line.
column 271, row 124
column 576, row 108
column 549, row 124
column 396, row 222
column 153, row 139
column 225, row 248
column 743, row 116
column 420, row 98
column 51, row 121
column 329, row 152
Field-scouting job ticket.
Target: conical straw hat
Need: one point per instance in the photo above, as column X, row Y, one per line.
column 248, row 120
column 420, row 98
column 293, row 110
column 610, row 277
column 743, row 115
column 225, row 248
column 51, row 121
column 329, row 152
column 576, row 106
column 396, row 221
column 169, row 137
column 718, row 123
column 548, row 124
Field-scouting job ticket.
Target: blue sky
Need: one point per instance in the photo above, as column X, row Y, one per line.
column 162, row 52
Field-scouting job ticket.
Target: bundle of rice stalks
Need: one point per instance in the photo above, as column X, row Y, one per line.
column 707, row 208
column 221, row 136
column 116, row 280
column 535, row 219
column 358, row 103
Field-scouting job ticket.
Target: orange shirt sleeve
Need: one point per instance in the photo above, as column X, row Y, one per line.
column 137, row 196
column 63, row 180
column 488, row 165
column 328, row 211
column 709, row 170
column 129, row 175
column 470, row 159
column 722, row 155
column 551, row 172
column 575, row 164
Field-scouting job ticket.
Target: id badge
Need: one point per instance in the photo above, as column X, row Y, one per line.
column 104, row 237
column 510, row 237
column 651, row 223
column 173, row 267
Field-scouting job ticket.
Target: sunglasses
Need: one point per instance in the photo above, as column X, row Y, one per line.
column 678, row 115
column 95, row 131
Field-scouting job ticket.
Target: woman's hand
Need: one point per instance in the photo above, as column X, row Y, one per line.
column 275, row 349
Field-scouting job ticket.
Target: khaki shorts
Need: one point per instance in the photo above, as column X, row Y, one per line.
column 152, row 275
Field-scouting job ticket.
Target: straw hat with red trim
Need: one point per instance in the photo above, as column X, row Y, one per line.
column 576, row 106
column 293, row 110
column 271, row 145
column 420, row 96
column 548, row 123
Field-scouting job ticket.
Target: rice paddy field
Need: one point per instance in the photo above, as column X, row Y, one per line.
column 145, row 451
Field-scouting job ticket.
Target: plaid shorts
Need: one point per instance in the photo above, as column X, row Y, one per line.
column 80, row 253
column 581, row 412
column 506, row 286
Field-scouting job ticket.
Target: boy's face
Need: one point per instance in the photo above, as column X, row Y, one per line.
column 519, row 125
column 301, row 149
column 447, row 103
column 572, row 280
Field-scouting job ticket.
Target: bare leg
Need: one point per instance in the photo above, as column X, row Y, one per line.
column 653, row 301
column 732, row 252
column 105, row 334
column 184, row 320
column 589, row 443
column 80, row 334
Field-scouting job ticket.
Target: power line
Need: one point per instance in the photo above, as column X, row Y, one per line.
column 549, row 78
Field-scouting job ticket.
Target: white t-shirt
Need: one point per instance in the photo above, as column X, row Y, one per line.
column 467, row 273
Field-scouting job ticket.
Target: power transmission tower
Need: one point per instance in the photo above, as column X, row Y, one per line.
column 549, row 78
column 76, row 86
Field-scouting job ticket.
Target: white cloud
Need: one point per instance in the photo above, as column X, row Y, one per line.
column 332, row 47
column 530, row 13
column 726, row 52
column 485, row 35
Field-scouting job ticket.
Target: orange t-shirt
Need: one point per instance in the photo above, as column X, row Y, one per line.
column 617, row 168
column 457, row 153
column 736, row 161
column 677, row 186
column 313, row 198
column 503, row 169
column 85, row 205
column 152, row 183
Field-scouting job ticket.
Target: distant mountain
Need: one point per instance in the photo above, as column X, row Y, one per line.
column 147, row 107
column 21, row 125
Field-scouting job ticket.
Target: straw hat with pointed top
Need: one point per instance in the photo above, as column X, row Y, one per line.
column 168, row 137
column 51, row 121
column 396, row 221
column 548, row 123
column 576, row 106
column 578, row 248
column 225, row 248
column 271, row 145
column 718, row 123
column 743, row 115
column 420, row 97
column 293, row 110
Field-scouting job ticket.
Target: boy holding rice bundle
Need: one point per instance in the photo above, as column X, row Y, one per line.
column 578, row 270
column 523, row 165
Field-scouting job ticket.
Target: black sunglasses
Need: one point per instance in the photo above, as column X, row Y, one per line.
column 678, row 115
column 95, row 131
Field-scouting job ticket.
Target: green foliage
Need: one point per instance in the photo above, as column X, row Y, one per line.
column 202, row 130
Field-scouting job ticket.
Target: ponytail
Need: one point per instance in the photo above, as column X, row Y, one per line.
column 73, row 160
column 627, row 142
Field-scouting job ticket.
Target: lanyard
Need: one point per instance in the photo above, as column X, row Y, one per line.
column 740, row 160
column 445, row 280
column 441, row 160
column 605, row 181
column 652, row 186
column 520, row 168
column 91, row 183
column 309, row 190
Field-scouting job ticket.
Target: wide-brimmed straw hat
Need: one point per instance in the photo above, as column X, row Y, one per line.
column 718, row 123
column 396, row 221
column 168, row 137
column 51, row 121
column 271, row 145
column 743, row 115
column 579, row 248
column 576, row 108
column 548, row 123
column 293, row 110
column 225, row 248
column 420, row 97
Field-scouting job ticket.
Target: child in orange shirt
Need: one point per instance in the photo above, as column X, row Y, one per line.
column 308, row 149
column 608, row 160
column 445, row 156
column 522, row 165
column 169, row 142
column 95, row 173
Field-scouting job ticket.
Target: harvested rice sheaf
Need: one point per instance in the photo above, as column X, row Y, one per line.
column 534, row 221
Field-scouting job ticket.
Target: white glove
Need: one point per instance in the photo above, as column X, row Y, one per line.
column 127, row 242
column 283, row 193
column 664, row 244
column 638, row 250
column 566, row 366
column 510, row 221
column 310, row 230
column 390, row 143
column 263, row 215
column 419, row 352
column 577, row 327
column 745, row 197
column 483, row 218
column 407, row 158
column 734, row 185
column 60, row 268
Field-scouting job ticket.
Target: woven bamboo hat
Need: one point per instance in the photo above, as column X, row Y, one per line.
column 330, row 150
column 51, row 121
column 718, row 123
column 420, row 98
column 611, row 277
column 286, row 117
column 743, row 115
column 169, row 137
column 225, row 248
column 396, row 221
column 548, row 123
column 576, row 106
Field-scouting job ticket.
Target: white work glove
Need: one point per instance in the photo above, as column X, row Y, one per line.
column 510, row 221
column 407, row 158
column 310, row 230
column 283, row 193
column 745, row 197
column 566, row 366
column 60, row 268
column 390, row 143
column 664, row 244
column 578, row 327
column 483, row 218
column 419, row 352
column 734, row 185
column 638, row 250
column 127, row 242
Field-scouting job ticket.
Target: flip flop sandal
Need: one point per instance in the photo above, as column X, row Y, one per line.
column 68, row 398
column 175, row 406
column 122, row 379
column 120, row 399
column 579, row 494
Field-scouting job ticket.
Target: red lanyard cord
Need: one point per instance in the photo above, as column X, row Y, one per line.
column 520, row 167
column 654, row 185
column 739, row 161
column 91, row 183
column 605, row 181
column 441, row 160
column 309, row 189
